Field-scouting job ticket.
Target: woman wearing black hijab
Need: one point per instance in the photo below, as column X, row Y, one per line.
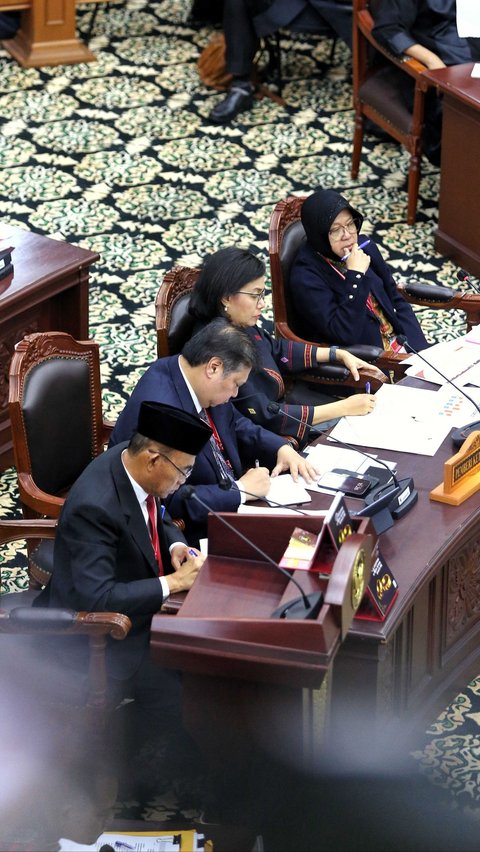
column 341, row 289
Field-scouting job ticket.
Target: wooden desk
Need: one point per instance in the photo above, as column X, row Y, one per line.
column 405, row 668
column 250, row 679
column 459, row 204
column 48, row 291
column 47, row 34
column 399, row 670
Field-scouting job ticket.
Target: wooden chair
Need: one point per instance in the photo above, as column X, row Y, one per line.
column 174, row 325
column 55, row 409
column 286, row 235
column 58, row 718
column 377, row 95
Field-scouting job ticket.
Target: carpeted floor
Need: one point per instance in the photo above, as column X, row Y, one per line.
column 118, row 156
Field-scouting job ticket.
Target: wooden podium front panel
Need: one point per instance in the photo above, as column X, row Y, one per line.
column 48, row 291
column 401, row 670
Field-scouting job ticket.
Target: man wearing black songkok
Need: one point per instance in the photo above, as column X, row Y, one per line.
column 105, row 556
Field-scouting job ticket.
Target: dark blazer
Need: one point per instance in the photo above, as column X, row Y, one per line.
column 278, row 358
column 329, row 309
column 243, row 441
column 104, row 560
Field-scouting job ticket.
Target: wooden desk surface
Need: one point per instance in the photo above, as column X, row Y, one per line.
column 457, row 80
column 38, row 261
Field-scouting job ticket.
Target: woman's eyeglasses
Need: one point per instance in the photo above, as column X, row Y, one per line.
column 259, row 297
column 349, row 227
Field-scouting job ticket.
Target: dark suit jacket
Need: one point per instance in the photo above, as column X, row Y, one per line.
column 243, row 441
column 104, row 560
column 329, row 309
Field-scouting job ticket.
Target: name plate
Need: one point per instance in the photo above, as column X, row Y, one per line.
column 461, row 477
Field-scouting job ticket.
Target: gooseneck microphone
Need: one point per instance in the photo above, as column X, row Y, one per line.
column 462, row 276
column 390, row 501
column 458, row 435
column 302, row 608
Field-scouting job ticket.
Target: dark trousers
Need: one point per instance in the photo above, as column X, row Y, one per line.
column 241, row 38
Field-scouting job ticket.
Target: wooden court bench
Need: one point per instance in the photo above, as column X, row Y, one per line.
column 47, row 33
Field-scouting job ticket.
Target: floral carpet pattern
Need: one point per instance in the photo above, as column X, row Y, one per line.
column 118, row 156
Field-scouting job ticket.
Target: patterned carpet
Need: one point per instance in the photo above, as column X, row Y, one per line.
column 118, row 156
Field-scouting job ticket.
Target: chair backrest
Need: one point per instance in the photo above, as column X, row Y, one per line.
column 174, row 324
column 286, row 235
column 55, row 409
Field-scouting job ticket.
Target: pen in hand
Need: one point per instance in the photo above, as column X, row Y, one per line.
column 257, row 463
column 361, row 246
column 367, row 387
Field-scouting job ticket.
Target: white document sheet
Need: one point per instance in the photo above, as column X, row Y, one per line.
column 407, row 419
column 458, row 360
column 284, row 490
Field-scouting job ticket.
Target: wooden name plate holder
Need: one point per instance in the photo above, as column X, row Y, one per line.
column 461, row 474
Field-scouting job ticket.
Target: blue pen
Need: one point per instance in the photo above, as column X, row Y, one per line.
column 193, row 552
column 367, row 387
column 361, row 246
column 162, row 511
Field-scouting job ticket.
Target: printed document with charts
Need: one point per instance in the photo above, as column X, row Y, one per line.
column 407, row 419
column 458, row 360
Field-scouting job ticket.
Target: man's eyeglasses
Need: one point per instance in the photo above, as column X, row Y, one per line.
column 349, row 227
column 259, row 297
column 183, row 473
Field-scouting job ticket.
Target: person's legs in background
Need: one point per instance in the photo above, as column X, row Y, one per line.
column 241, row 45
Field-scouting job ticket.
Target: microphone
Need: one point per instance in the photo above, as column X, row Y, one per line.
column 302, row 608
column 463, row 276
column 458, row 435
column 395, row 503
column 226, row 485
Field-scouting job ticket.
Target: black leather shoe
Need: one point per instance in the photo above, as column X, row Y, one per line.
column 239, row 99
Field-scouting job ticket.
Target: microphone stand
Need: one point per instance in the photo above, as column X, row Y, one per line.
column 305, row 607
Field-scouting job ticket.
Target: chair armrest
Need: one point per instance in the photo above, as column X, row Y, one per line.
column 365, row 352
column 427, row 293
column 38, row 500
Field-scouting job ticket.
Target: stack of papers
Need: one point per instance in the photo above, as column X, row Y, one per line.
column 458, row 360
column 408, row 420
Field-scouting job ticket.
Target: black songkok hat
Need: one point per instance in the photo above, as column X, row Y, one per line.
column 319, row 211
column 173, row 427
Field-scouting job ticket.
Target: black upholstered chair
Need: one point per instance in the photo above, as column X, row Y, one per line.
column 378, row 81
column 173, row 323
column 286, row 235
column 55, row 409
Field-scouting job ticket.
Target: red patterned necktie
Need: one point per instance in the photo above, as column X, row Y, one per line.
column 153, row 530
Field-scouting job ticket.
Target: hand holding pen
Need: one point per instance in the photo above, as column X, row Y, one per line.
column 356, row 259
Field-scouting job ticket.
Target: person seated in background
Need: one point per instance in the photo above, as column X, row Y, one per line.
column 232, row 284
column 425, row 30
column 245, row 22
column 340, row 287
column 212, row 367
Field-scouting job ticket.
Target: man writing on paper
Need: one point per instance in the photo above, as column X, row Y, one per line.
column 117, row 550
column 203, row 379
